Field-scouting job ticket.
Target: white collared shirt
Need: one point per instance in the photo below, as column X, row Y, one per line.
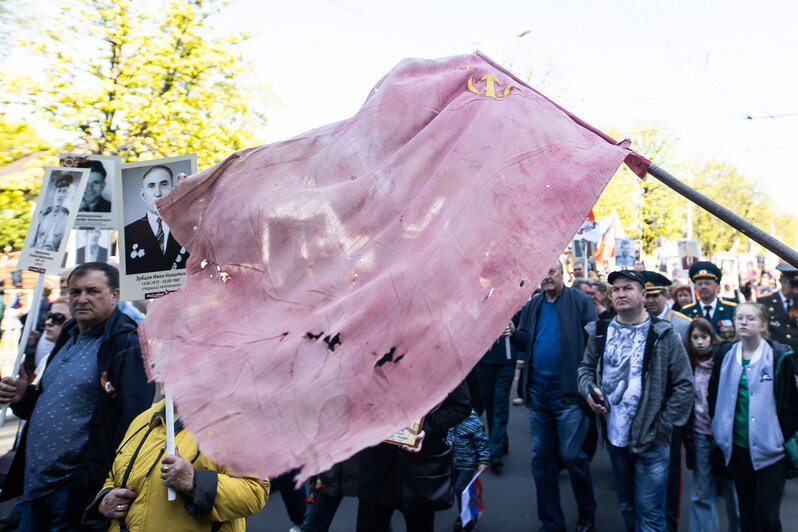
column 784, row 302
column 712, row 307
column 153, row 219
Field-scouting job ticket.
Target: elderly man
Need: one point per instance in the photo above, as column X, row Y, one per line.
column 550, row 334
column 93, row 200
column 93, row 387
column 53, row 219
column 149, row 244
column 719, row 312
column 783, row 307
column 636, row 375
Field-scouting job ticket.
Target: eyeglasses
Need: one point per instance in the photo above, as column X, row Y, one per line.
column 58, row 318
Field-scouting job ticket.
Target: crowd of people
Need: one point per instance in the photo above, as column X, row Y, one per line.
column 647, row 370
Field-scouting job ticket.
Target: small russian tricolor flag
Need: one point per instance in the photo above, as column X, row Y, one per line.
column 471, row 500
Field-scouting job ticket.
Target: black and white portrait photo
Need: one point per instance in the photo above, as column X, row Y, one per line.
column 53, row 218
column 625, row 251
column 93, row 245
column 96, row 203
column 147, row 244
column 52, row 222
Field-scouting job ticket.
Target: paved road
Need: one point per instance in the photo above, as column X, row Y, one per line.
column 509, row 498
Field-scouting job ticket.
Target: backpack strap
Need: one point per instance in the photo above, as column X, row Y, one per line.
column 601, row 336
column 601, row 342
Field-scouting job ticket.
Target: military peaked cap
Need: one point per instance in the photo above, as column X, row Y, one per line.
column 705, row 270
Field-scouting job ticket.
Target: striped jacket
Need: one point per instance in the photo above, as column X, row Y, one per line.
column 469, row 442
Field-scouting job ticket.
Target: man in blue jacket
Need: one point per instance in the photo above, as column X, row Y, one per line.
column 94, row 385
column 551, row 336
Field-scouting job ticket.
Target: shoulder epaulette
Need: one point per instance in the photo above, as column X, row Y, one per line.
column 730, row 303
column 689, row 305
column 677, row 313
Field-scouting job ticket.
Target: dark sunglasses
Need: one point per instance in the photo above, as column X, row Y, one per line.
column 58, row 318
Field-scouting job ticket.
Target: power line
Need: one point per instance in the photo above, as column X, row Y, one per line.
column 386, row 26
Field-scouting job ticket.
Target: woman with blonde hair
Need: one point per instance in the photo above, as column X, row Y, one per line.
column 754, row 410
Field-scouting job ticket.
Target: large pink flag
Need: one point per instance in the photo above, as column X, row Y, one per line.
column 342, row 282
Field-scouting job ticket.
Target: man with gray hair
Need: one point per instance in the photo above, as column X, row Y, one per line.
column 551, row 336
column 149, row 244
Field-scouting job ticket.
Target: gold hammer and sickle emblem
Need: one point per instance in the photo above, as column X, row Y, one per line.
column 491, row 84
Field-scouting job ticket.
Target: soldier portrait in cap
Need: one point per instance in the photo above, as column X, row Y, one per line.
column 53, row 219
column 54, row 214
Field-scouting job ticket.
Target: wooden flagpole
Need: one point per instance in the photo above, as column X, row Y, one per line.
column 33, row 316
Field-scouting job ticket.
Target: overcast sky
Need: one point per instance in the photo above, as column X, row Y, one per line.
column 720, row 77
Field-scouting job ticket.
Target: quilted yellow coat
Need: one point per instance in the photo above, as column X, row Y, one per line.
column 221, row 501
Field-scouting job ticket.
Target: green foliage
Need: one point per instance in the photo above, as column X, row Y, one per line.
column 741, row 195
column 647, row 208
column 142, row 81
column 16, row 206
column 18, row 139
column 20, row 186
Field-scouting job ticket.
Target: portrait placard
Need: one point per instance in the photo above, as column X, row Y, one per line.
column 729, row 264
column 689, row 252
column 92, row 245
column 408, row 435
column 97, row 205
column 580, row 254
column 152, row 262
column 48, row 234
column 625, row 252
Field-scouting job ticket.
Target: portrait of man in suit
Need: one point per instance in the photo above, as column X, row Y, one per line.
column 149, row 244
column 93, row 200
column 91, row 251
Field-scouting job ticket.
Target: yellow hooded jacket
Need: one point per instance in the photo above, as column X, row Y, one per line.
column 221, row 501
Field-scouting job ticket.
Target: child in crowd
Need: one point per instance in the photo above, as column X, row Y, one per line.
column 470, row 445
column 701, row 338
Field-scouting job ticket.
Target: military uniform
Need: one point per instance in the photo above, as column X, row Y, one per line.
column 782, row 325
column 51, row 228
column 656, row 283
column 723, row 316
column 782, row 328
column 680, row 322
